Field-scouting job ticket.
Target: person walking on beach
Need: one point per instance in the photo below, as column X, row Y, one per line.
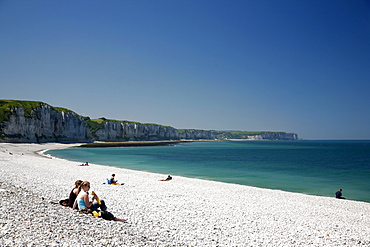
column 338, row 194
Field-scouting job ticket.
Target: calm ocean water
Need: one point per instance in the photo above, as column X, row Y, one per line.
column 310, row 167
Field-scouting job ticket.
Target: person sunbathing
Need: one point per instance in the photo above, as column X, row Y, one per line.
column 167, row 179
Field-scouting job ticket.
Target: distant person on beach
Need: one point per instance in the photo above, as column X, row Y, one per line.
column 82, row 202
column 167, row 179
column 338, row 194
column 74, row 193
column 86, row 164
column 113, row 180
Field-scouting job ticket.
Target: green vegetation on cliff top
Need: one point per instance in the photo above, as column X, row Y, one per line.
column 236, row 134
column 231, row 134
column 96, row 124
column 7, row 108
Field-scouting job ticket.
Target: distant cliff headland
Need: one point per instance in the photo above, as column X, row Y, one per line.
column 38, row 122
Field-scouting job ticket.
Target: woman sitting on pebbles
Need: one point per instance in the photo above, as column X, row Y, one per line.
column 82, row 202
column 74, row 193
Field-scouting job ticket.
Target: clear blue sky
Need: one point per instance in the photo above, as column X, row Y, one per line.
column 294, row 66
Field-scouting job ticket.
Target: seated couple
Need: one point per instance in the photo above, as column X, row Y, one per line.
column 79, row 199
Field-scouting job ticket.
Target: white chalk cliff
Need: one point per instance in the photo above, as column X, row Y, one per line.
column 44, row 123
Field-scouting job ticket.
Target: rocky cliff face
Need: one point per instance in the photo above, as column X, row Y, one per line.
column 197, row 135
column 45, row 125
column 125, row 131
column 29, row 121
column 274, row 136
column 150, row 132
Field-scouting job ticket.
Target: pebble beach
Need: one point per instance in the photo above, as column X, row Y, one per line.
column 180, row 212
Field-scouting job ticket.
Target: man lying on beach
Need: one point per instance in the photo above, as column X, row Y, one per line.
column 338, row 194
column 167, row 179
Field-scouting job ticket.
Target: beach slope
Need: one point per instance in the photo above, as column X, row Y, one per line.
column 181, row 212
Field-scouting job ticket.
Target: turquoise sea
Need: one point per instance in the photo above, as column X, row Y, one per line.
column 309, row 167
